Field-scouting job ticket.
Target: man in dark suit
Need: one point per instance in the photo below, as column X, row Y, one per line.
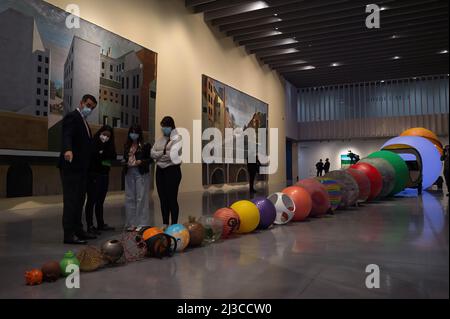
column 74, row 164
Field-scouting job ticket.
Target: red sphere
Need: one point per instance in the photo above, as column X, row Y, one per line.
column 230, row 220
column 375, row 178
column 302, row 201
column 363, row 183
column 319, row 195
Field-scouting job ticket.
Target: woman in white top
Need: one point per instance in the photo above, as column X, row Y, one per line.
column 166, row 153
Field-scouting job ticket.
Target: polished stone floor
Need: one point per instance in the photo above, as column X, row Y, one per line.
column 407, row 237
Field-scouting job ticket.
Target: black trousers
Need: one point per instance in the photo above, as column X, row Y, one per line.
column 74, row 194
column 319, row 172
column 252, row 177
column 97, row 188
column 167, row 183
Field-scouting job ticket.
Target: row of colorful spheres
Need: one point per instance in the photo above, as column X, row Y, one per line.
column 381, row 174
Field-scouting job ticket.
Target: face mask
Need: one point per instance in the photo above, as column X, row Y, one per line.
column 104, row 138
column 134, row 136
column 166, row 130
column 86, row 111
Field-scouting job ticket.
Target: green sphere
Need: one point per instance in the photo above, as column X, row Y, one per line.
column 399, row 165
column 69, row 258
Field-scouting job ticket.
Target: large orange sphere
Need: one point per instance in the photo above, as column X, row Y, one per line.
column 426, row 133
column 302, row 201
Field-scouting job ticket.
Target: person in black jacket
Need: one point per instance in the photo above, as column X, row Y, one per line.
column 103, row 153
column 319, row 168
column 137, row 160
column 74, row 164
column 252, row 168
column 326, row 166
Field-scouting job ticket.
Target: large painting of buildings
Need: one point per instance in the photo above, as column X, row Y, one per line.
column 47, row 67
column 225, row 107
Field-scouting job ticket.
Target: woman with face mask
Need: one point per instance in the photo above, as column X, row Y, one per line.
column 103, row 153
column 137, row 160
column 166, row 153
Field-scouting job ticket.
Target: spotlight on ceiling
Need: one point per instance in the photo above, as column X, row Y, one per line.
column 384, row 8
column 308, row 67
column 394, row 36
column 443, row 52
column 335, row 64
column 396, row 57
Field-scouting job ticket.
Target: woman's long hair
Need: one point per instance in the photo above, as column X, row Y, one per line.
column 135, row 128
column 109, row 147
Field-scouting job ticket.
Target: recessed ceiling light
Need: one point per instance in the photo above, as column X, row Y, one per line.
column 308, row 67
column 275, row 15
column 383, row 8
column 382, row 81
column 276, row 28
column 396, row 57
column 335, row 64
column 394, row 36
column 443, row 52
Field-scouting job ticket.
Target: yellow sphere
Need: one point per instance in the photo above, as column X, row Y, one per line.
column 248, row 215
column 426, row 133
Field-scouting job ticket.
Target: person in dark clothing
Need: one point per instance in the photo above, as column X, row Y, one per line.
column 166, row 153
column 253, row 168
column 74, row 164
column 445, row 158
column 103, row 153
column 137, row 160
column 319, row 167
column 326, row 166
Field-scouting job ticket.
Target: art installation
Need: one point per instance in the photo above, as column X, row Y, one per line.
column 181, row 234
column 302, row 201
column 54, row 66
column 382, row 173
column 425, row 156
column 387, row 174
column 224, row 107
column 284, row 206
column 91, row 259
column 33, row 277
column 267, row 212
column 230, row 220
column 51, row 271
column 248, row 216
column 319, row 196
column 69, row 259
column 363, row 183
column 400, row 167
column 350, row 190
column 375, row 178
column 112, row 250
column 334, row 190
column 196, row 232
column 213, row 228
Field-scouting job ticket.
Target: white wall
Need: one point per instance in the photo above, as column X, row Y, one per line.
column 187, row 48
column 309, row 153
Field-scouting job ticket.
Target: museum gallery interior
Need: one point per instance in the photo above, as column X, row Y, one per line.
column 212, row 149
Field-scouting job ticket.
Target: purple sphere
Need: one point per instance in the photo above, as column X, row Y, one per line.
column 267, row 212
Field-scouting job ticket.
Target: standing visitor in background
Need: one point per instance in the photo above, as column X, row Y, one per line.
column 74, row 164
column 253, row 168
column 326, row 166
column 103, row 153
column 445, row 158
column 137, row 160
column 319, row 167
column 166, row 153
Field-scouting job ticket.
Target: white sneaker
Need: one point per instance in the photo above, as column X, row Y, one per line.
column 130, row 229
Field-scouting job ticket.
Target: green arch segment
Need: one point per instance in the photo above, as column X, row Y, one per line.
column 401, row 170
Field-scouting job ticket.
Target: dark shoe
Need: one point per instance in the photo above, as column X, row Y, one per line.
column 84, row 235
column 105, row 227
column 74, row 240
column 93, row 231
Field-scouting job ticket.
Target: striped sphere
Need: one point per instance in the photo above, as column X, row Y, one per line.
column 334, row 191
